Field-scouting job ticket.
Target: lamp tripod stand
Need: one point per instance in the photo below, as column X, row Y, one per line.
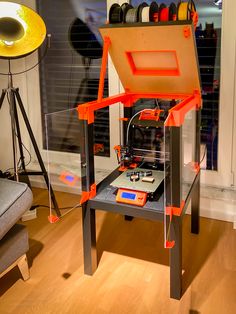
column 14, row 100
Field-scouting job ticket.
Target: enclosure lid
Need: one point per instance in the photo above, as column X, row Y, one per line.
column 154, row 57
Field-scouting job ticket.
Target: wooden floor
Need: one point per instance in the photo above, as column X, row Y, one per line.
column 133, row 272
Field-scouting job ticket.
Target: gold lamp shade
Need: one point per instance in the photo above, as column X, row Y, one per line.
column 22, row 30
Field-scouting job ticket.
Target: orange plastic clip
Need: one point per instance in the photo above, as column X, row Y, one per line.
column 122, row 168
column 169, row 244
column 52, row 219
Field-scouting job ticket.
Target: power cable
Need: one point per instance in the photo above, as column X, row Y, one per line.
column 46, row 206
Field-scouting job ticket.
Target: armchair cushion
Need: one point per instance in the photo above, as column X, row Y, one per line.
column 15, row 199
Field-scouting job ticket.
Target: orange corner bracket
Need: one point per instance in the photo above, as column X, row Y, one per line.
column 86, row 195
column 176, row 211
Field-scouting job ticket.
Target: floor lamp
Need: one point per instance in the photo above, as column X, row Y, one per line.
column 22, row 31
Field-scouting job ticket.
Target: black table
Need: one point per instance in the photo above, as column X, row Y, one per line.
column 105, row 200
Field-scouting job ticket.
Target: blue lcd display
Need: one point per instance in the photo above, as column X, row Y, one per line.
column 129, row 196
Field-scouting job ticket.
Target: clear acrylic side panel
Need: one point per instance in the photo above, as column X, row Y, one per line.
column 66, row 138
column 63, row 143
column 102, row 150
column 152, row 144
column 167, row 187
column 189, row 167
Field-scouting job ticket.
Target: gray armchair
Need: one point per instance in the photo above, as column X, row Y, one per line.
column 15, row 199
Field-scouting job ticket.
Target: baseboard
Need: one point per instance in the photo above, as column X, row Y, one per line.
column 217, row 209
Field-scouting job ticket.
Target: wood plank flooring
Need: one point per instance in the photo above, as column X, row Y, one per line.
column 133, row 272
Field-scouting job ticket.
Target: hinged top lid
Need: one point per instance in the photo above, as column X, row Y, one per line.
column 154, row 57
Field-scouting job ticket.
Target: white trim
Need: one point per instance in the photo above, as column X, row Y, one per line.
column 211, row 208
column 219, row 204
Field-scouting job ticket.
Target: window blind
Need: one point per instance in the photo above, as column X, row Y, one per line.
column 69, row 74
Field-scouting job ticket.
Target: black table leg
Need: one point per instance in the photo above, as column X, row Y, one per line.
column 176, row 259
column 89, row 239
column 195, row 202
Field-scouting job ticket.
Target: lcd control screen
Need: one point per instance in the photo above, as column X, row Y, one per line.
column 129, row 196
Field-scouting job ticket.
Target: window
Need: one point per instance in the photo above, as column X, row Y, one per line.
column 208, row 40
column 69, row 74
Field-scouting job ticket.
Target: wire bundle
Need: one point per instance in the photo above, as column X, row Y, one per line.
column 145, row 13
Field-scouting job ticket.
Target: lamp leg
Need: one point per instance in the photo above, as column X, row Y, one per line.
column 11, row 101
column 2, row 97
column 36, row 149
column 11, row 107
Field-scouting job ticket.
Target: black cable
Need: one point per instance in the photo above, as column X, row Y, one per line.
column 34, row 66
column 46, row 206
column 157, row 105
column 29, row 154
column 8, row 169
column 28, row 162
